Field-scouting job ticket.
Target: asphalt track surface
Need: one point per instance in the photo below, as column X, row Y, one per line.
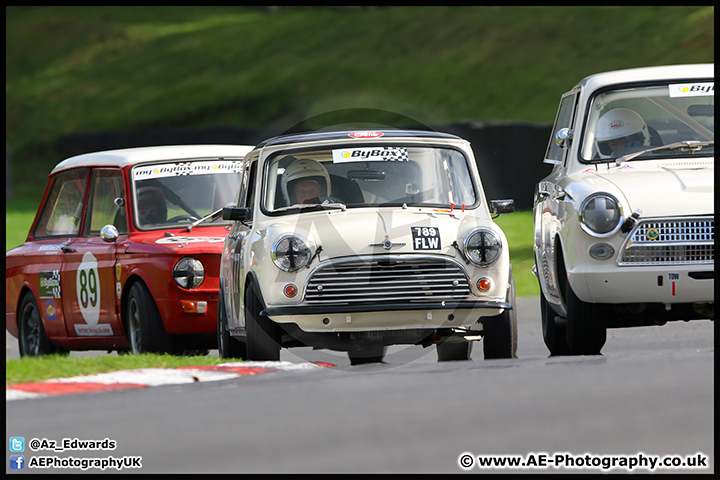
column 650, row 395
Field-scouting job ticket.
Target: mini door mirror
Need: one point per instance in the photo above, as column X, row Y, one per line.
column 502, row 206
column 235, row 213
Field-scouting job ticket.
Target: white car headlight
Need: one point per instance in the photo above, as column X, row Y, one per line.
column 600, row 215
column 189, row 273
column 290, row 253
column 483, row 247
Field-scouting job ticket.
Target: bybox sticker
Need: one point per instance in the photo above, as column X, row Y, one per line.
column 692, row 89
column 372, row 154
column 49, row 281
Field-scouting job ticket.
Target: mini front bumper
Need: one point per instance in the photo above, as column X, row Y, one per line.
column 364, row 308
column 367, row 317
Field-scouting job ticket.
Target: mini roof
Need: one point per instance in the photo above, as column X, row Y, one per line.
column 347, row 135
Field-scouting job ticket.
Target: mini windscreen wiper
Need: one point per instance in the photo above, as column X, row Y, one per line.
column 322, row 206
column 686, row 145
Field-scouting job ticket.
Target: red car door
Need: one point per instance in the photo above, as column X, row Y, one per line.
column 90, row 284
column 40, row 260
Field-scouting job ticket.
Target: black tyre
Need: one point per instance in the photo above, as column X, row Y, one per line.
column 263, row 335
column 228, row 347
column 450, row 352
column 553, row 328
column 500, row 331
column 586, row 330
column 32, row 340
column 145, row 330
column 367, row 354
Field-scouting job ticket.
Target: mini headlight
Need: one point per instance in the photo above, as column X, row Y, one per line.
column 189, row 272
column 483, row 247
column 600, row 215
column 290, row 253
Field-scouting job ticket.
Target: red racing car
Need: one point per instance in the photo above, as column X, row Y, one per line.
column 124, row 252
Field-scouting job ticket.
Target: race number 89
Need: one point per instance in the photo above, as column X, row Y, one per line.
column 88, row 289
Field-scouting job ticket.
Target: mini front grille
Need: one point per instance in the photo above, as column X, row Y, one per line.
column 670, row 242
column 390, row 279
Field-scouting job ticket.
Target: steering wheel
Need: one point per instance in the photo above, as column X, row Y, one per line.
column 180, row 218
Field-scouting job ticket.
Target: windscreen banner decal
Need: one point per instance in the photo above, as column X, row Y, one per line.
column 373, row 154
column 692, row 89
column 186, row 168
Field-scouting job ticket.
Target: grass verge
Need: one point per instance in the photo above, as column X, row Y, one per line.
column 38, row 369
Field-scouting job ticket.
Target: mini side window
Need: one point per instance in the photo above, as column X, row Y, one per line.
column 247, row 190
column 62, row 213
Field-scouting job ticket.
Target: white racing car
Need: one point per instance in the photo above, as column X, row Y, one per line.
column 353, row 241
column 624, row 224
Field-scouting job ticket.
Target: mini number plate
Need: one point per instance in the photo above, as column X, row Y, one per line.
column 426, row 238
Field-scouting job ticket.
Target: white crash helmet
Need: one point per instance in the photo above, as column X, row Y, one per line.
column 305, row 169
column 620, row 123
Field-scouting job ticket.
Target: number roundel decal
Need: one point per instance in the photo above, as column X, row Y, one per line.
column 87, row 286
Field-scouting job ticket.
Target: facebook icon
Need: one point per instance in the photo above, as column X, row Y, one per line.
column 17, row 462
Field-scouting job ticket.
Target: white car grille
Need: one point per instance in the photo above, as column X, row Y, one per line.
column 670, row 242
column 388, row 279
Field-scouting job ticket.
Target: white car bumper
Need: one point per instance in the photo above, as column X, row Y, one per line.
column 644, row 284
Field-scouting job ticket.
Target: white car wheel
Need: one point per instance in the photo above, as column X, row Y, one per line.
column 586, row 331
column 553, row 328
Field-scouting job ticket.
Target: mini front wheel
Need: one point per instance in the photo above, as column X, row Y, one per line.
column 500, row 331
column 453, row 351
column 367, row 354
column 263, row 336
column 228, row 347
